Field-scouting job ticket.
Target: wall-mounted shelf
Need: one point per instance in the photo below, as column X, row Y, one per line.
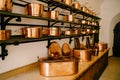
column 52, row 4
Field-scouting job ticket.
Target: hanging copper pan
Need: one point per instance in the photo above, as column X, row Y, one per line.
column 5, row 34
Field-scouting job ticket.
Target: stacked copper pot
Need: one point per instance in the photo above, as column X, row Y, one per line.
column 6, row 5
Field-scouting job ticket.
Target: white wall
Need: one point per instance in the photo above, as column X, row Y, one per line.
column 110, row 14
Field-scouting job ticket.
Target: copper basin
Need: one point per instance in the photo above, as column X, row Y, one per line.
column 58, row 67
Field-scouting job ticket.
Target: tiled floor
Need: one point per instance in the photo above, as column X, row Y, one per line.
column 112, row 72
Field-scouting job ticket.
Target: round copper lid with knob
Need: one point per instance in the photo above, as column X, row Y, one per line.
column 66, row 50
column 54, row 50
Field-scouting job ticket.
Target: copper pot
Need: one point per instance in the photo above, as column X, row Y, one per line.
column 6, row 5
column 68, row 2
column 83, row 55
column 46, row 31
column 32, row 32
column 34, row 9
column 54, row 31
column 62, row 67
column 69, row 18
column 101, row 46
column 52, row 14
column 76, row 5
column 77, row 31
column 68, row 32
column 5, row 34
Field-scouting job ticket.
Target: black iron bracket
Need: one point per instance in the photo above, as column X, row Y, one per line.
column 4, row 51
column 70, row 40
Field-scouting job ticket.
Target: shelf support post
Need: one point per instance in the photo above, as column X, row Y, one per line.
column 4, row 51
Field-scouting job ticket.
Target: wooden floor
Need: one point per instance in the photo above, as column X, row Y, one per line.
column 112, row 72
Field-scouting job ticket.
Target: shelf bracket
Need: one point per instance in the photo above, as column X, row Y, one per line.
column 70, row 40
column 4, row 51
column 5, row 22
column 48, row 43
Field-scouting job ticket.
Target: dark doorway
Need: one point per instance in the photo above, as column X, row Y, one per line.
column 116, row 45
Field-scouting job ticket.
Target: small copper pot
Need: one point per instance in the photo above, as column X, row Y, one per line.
column 101, row 46
column 69, row 18
column 34, row 9
column 32, row 32
column 5, row 34
column 52, row 14
column 54, row 31
column 6, row 5
column 83, row 55
column 76, row 5
column 68, row 2
column 68, row 32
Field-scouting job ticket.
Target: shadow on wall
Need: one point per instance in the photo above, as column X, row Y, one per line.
column 114, row 21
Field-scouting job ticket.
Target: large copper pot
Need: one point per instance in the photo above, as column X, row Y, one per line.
column 52, row 14
column 82, row 54
column 32, row 32
column 61, row 67
column 6, row 5
column 34, row 9
column 5, row 34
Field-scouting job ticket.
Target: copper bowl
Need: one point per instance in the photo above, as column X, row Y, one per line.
column 34, row 9
column 76, row 5
column 52, row 14
column 6, row 5
column 32, row 32
column 5, row 34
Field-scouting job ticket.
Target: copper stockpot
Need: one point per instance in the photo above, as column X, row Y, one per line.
column 61, row 67
column 52, row 14
column 76, row 5
column 101, row 46
column 6, row 5
column 32, row 32
column 69, row 18
column 34, row 9
column 68, row 2
column 54, row 31
column 82, row 54
column 5, row 34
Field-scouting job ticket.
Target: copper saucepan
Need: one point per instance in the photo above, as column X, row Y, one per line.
column 52, row 14
column 68, row 2
column 6, row 5
column 32, row 32
column 76, row 5
column 34, row 9
column 82, row 54
column 5, row 34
